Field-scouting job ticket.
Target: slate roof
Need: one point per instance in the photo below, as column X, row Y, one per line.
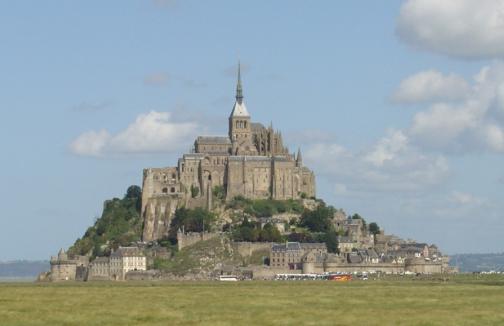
column 249, row 158
column 289, row 246
column 313, row 246
column 101, row 260
column 214, row 140
column 127, row 252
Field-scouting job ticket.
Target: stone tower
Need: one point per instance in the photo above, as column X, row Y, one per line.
column 240, row 128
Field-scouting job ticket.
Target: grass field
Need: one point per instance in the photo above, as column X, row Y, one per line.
column 458, row 301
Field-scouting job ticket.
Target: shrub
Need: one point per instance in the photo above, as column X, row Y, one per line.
column 194, row 191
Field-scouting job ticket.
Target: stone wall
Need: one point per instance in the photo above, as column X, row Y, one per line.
column 246, row 249
column 190, row 238
column 423, row 267
column 268, row 273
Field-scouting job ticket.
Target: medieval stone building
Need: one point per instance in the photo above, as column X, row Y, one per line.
column 251, row 161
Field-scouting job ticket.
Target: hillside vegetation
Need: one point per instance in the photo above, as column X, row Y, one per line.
column 199, row 258
column 119, row 225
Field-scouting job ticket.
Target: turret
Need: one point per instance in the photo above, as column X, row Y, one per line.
column 299, row 159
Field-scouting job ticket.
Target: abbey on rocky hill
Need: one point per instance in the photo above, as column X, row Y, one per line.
column 251, row 161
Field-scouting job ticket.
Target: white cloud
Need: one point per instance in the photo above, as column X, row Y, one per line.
column 460, row 28
column 465, row 199
column 475, row 124
column 392, row 165
column 156, row 79
column 90, row 143
column 431, row 85
column 149, row 133
column 387, row 148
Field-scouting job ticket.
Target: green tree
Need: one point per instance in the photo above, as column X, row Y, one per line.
column 191, row 220
column 219, row 192
column 331, row 240
column 318, row 220
column 133, row 192
column 270, row 233
column 374, row 228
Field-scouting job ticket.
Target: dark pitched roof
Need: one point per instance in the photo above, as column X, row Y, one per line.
column 101, row 260
column 218, row 140
column 289, row 246
column 127, row 252
column 313, row 246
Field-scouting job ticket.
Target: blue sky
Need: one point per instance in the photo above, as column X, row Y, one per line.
column 397, row 105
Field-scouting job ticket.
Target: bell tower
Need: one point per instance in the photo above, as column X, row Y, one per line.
column 240, row 131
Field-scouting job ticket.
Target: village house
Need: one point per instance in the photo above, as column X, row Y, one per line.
column 99, row 269
column 126, row 259
column 290, row 255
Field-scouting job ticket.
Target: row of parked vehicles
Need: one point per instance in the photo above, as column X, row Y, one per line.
column 338, row 277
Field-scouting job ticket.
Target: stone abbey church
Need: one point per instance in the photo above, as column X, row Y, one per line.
column 251, row 161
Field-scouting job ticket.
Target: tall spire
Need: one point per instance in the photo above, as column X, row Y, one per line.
column 299, row 158
column 239, row 90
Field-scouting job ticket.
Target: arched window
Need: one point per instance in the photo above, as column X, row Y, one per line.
column 173, row 175
column 165, row 190
column 209, row 177
column 245, row 124
column 172, row 190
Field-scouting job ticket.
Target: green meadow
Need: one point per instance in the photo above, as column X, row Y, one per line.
column 454, row 301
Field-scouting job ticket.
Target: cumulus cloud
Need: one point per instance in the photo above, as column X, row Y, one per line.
column 90, row 143
column 392, row 165
column 154, row 132
column 460, row 28
column 474, row 124
column 431, row 85
column 387, row 148
column 156, row 79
